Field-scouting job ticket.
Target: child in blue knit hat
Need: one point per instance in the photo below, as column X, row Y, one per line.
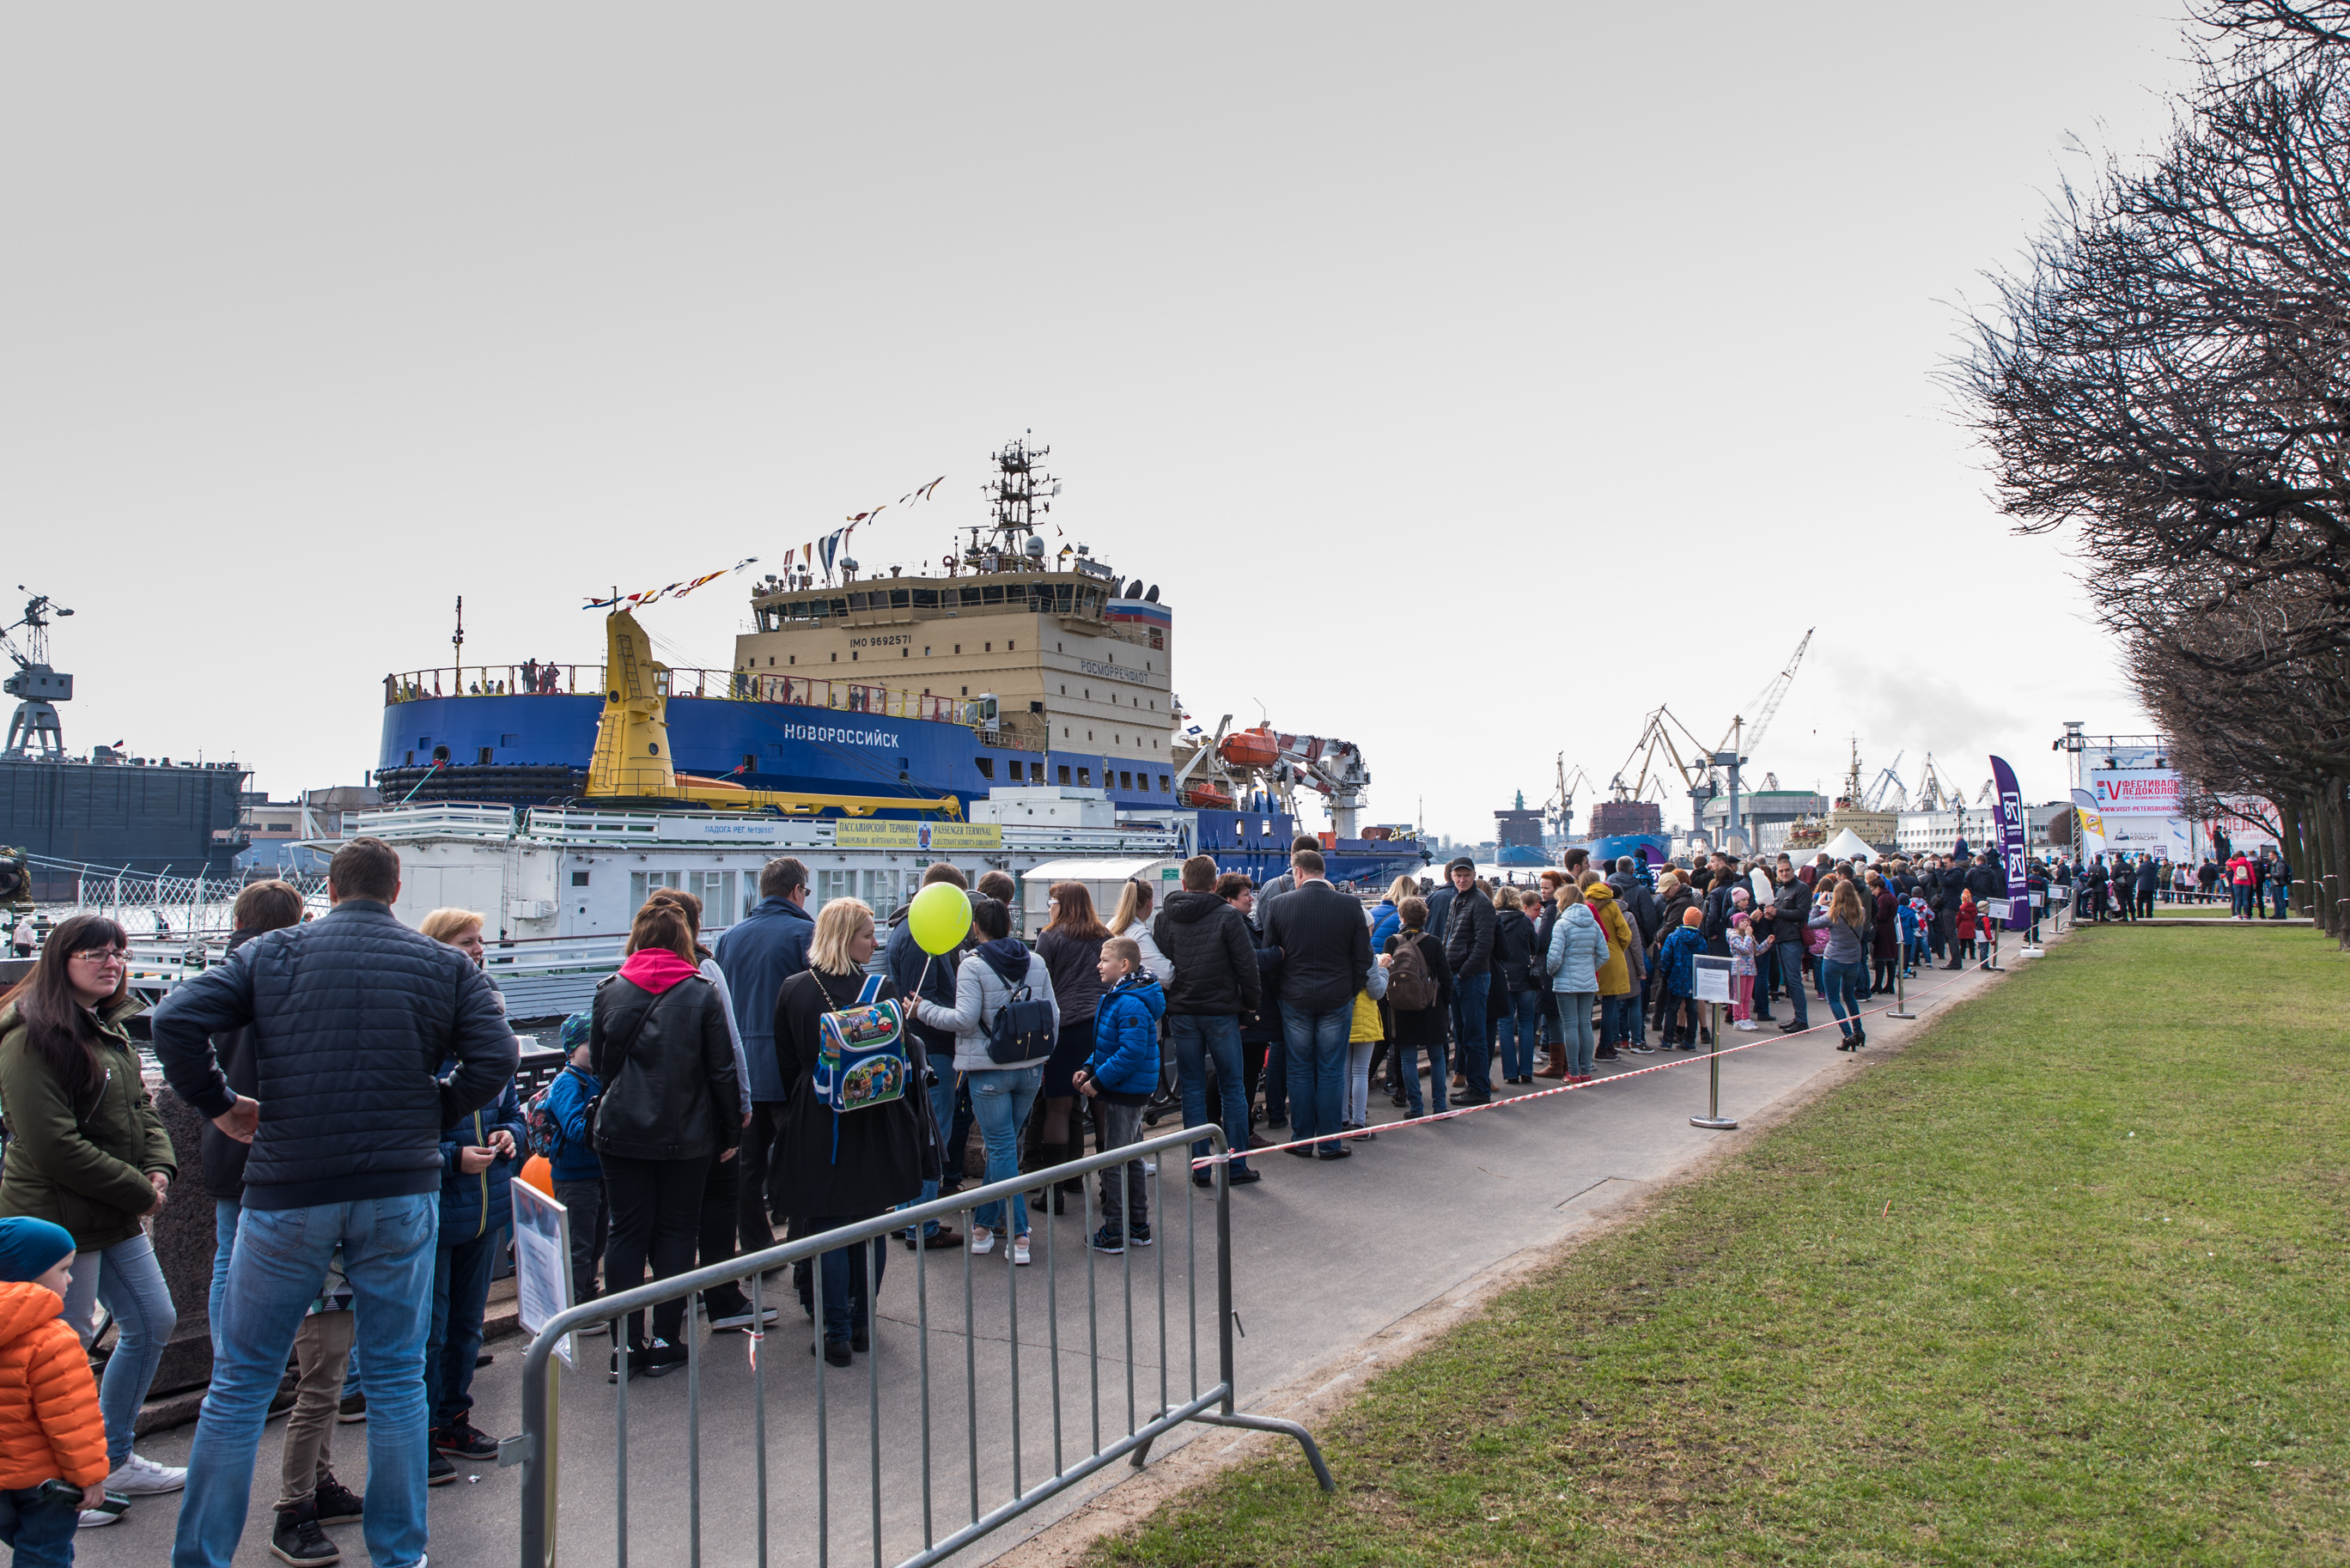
column 571, row 1161
column 52, row 1438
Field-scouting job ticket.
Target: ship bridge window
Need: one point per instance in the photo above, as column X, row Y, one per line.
column 1015, row 770
column 579, row 878
column 1124, row 779
column 1085, row 778
column 1165, row 785
column 993, row 593
column 986, row 766
column 925, row 598
column 900, row 599
column 1065, row 773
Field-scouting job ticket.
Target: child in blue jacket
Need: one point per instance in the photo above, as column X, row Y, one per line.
column 578, row 1174
column 1676, row 960
column 1913, row 915
column 1119, row 1078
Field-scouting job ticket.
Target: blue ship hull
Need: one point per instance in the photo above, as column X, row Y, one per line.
column 1652, row 848
column 786, row 747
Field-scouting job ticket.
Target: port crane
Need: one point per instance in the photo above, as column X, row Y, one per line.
column 34, row 730
column 1732, row 753
column 1559, row 810
column 1932, row 794
column 1889, row 787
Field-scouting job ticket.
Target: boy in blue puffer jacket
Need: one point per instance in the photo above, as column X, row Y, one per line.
column 571, row 1161
column 1675, row 959
column 1119, row 1079
column 479, row 1157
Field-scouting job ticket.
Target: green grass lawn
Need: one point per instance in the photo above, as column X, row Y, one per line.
column 2064, row 1282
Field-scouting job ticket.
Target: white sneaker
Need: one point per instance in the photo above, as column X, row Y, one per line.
column 135, row 1477
column 983, row 1240
column 1020, row 1250
column 1747, row 1025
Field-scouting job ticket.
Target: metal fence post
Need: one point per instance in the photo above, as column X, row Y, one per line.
column 1713, row 1120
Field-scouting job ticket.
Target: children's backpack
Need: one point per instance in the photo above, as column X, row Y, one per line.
column 1410, row 988
column 541, row 1132
column 1022, row 1030
column 860, row 1059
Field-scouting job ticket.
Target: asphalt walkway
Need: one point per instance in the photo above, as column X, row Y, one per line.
column 1324, row 1255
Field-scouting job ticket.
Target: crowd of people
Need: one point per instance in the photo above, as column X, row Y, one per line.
column 2257, row 885
column 365, row 1125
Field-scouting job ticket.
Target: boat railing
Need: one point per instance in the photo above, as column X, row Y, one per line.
column 725, row 685
column 438, row 821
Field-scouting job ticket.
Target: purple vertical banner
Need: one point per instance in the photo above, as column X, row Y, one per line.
column 2011, row 852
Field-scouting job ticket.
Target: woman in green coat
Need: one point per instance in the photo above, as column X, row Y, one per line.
column 87, row 1151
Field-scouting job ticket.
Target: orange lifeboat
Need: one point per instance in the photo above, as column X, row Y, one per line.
column 1207, row 796
column 1252, row 748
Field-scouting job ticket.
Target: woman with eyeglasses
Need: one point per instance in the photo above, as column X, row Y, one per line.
column 87, row 1151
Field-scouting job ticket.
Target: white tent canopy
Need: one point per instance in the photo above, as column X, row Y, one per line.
column 1850, row 846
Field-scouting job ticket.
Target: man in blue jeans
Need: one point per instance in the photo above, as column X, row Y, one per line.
column 1213, row 953
column 349, row 1013
column 1469, row 931
column 1325, row 947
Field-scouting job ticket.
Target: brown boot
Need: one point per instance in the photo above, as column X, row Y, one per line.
column 1558, row 1068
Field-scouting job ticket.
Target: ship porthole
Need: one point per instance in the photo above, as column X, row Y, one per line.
column 652, row 751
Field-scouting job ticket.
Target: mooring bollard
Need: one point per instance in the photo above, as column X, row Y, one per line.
column 1713, row 1120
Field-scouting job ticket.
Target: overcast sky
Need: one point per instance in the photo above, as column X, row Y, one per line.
column 1471, row 379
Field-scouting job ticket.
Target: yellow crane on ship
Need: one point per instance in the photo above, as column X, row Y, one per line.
column 632, row 761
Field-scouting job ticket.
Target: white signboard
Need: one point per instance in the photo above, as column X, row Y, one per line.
column 1997, row 909
column 542, row 1245
column 1712, row 976
column 748, row 828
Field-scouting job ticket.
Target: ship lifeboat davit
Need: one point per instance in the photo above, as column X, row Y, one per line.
column 1207, row 797
column 1253, row 748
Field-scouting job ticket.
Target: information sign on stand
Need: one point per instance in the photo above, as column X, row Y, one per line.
column 542, row 1246
column 1712, row 977
column 1997, row 908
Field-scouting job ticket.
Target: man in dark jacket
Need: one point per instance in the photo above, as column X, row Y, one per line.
column 1790, row 911
column 1325, row 948
column 1949, row 882
column 260, row 907
column 1208, row 945
column 1469, row 952
column 757, row 954
column 916, row 973
column 347, row 1015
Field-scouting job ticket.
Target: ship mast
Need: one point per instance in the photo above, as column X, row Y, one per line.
column 1020, row 492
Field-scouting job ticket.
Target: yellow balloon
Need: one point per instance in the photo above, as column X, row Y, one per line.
column 940, row 918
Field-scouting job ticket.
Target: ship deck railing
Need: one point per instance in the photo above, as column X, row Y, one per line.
column 587, row 826
column 876, row 700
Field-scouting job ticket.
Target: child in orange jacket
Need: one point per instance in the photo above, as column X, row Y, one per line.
column 52, row 1438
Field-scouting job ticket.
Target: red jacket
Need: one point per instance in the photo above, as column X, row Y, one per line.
column 49, row 1424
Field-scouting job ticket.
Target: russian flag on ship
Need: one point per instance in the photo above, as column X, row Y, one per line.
column 1143, row 610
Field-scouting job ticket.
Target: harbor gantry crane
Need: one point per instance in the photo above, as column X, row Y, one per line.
column 1656, row 740
column 1889, row 787
column 33, row 730
column 1732, row 753
column 1932, row 794
column 1559, row 810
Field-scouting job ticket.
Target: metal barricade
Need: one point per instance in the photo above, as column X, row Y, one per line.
column 1135, row 1297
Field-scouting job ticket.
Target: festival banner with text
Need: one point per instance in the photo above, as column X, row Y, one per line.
column 2013, row 853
